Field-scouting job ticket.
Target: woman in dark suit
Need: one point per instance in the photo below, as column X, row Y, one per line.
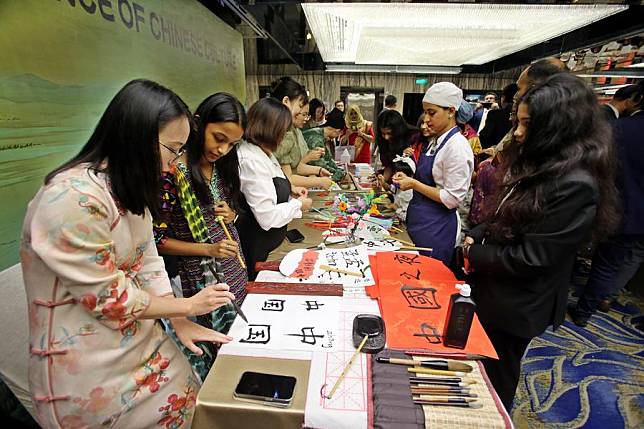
column 558, row 190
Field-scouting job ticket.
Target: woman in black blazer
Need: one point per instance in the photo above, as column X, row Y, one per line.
column 558, row 190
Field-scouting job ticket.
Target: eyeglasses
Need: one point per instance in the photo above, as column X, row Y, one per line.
column 178, row 153
column 304, row 115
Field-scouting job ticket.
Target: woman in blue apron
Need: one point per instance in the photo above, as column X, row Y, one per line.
column 442, row 178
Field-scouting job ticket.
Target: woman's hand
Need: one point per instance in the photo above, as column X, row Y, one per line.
column 468, row 241
column 408, row 151
column 223, row 249
column 313, row 155
column 306, row 203
column 405, row 182
column 189, row 333
column 324, row 182
column 299, row 191
column 324, row 173
column 382, row 182
column 210, row 298
column 223, row 209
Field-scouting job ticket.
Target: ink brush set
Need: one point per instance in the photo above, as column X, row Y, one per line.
column 439, row 382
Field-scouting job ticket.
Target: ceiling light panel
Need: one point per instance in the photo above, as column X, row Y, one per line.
column 439, row 34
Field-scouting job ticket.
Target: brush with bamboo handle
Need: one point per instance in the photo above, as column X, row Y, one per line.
column 440, row 389
column 466, row 393
column 426, row 249
column 341, row 271
column 346, row 368
column 430, row 371
column 448, row 403
column 433, row 363
column 220, row 219
column 444, row 398
column 437, row 379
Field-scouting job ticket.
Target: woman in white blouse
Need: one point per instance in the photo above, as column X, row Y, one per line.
column 442, row 176
column 270, row 201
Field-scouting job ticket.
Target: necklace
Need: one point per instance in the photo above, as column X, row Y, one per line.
column 214, row 185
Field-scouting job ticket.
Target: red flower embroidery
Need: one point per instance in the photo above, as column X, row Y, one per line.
column 178, row 408
column 150, row 381
column 89, row 301
column 116, row 310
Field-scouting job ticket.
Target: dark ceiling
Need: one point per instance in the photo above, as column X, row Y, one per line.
column 286, row 26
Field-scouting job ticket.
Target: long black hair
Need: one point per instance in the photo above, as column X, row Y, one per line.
column 127, row 138
column 219, row 107
column 400, row 133
column 566, row 131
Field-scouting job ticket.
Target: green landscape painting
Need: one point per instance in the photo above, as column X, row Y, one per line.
column 61, row 61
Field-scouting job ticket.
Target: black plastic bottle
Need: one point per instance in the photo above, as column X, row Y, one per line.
column 460, row 314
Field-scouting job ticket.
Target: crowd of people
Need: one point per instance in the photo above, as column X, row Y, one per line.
column 503, row 192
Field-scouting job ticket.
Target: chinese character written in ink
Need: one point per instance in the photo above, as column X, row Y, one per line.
column 420, row 297
column 330, row 259
column 411, row 276
column 258, row 334
column 405, row 259
column 273, row 305
column 350, row 262
column 307, row 336
column 429, row 333
column 312, row 305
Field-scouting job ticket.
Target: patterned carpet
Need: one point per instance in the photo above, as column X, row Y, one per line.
column 589, row 377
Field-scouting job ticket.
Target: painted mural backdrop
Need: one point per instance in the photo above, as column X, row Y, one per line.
column 61, row 61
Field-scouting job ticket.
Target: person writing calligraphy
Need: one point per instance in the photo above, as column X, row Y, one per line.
column 199, row 187
column 96, row 285
column 442, row 178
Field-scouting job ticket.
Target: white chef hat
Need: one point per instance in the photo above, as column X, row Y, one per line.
column 444, row 94
column 407, row 160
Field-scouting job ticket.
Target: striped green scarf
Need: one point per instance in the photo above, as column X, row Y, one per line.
column 222, row 318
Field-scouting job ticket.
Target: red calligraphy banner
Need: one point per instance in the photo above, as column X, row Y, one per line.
column 414, row 293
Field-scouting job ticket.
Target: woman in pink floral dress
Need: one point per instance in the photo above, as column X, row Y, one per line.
column 95, row 284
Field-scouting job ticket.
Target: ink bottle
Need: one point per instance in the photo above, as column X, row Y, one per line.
column 460, row 314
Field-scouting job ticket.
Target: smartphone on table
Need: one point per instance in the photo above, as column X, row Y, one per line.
column 269, row 389
column 294, row 236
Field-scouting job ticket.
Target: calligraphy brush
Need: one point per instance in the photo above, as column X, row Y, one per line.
column 459, row 386
column 449, row 404
column 341, row 271
column 436, row 372
column 220, row 278
column 346, row 368
column 444, row 393
column 438, row 385
column 441, row 380
column 453, row 389
column 435, row 364
column 441, row 398
column 220, row 219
